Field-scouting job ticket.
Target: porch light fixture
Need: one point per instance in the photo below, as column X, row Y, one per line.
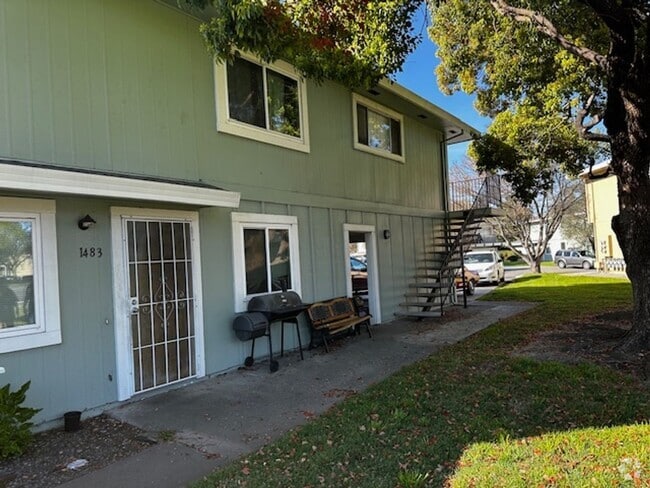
column 387, row 234
column 86, row 222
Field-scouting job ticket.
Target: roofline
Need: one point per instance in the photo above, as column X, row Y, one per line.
column 465, row 131
column 596, row 171
column 39, row 177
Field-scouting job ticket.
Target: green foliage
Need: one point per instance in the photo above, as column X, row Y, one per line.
column 412, row 428
column 15, row 244
column 15, row 425
column 524, row 80
column 411, row 479
column 355, row 42
column 506, row 62
column 614, row 456
column 530, row 148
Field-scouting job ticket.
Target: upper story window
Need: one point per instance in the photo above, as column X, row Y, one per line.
column 377, row 129
column 265, row 103
column 29, row 294
column 265, row 255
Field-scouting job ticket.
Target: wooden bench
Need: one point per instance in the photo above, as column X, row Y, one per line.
column 334, row 316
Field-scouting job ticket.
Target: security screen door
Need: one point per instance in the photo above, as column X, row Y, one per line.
column 159, row 255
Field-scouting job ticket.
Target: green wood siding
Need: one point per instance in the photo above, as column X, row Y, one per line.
column 128, row 86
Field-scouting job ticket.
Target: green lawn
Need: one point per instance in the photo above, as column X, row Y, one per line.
column 472, row 405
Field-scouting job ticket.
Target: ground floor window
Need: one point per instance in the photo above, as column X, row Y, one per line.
column 265, row 255
column 29, row 295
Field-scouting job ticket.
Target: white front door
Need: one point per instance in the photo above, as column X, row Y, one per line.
column 372, row 277
column 159, row 332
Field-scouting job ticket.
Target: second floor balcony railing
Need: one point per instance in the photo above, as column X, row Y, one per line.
column 475, row 193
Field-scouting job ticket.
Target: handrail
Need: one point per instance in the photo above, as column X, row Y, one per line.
column 488, row 195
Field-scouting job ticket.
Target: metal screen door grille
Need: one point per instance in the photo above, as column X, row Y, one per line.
column 162, row 324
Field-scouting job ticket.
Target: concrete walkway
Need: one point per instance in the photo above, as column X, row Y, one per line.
column 221, row 418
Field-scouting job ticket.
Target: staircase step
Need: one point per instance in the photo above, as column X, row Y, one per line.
column 413, row 294
column 439, row 264
column 422, row 278
column 428, row 285
column 427, row 314
column 421, row 304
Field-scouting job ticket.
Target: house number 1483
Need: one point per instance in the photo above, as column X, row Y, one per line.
column 90, row 252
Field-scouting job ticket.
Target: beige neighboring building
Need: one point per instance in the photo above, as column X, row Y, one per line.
column 601, row 194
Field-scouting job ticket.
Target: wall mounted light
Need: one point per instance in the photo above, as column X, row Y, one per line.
column 86, row 222
column 387, row 234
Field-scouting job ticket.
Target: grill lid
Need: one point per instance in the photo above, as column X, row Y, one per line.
column 275, row 302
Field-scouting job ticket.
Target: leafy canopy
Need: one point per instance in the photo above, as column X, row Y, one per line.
column 530, row 148
column 533, row 88
column 506, row 62
column 356, row 42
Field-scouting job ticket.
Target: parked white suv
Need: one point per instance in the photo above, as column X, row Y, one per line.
column 487, row 264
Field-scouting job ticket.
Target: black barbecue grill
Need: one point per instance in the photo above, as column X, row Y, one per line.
column 263, row 310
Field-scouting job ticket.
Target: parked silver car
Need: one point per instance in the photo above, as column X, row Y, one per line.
column 575, row 258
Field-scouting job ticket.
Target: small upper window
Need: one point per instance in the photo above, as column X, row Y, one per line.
column 265, row 103
column 29, row 295
column 378, row 129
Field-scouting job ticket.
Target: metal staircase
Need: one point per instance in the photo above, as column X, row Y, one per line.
column 472, row 202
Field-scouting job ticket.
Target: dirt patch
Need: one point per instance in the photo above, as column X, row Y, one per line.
column 101, row 441
column 594, row 340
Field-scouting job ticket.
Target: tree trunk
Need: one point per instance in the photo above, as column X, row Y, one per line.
column 632, row 228
column 535, row 266
column 627, row 118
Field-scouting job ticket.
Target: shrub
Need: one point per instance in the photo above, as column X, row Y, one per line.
column 15, row 425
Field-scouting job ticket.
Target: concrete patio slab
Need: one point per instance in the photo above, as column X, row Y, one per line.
column 218, row 419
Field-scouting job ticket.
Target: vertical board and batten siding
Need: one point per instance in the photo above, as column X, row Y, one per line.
column 127, row 86
column 80, row 372
column 320, row 231
column 118, row 85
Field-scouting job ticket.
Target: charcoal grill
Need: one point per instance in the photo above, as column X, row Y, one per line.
column 263, row 310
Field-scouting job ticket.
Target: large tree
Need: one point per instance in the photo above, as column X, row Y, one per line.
column 580, row 60
column 584, row 59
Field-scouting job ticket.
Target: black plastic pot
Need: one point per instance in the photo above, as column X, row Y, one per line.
column 71, row 421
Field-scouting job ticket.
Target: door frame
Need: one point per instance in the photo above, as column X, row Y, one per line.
column 121, row 307
column 370, row 235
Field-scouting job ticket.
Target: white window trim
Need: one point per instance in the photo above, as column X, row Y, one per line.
column 237, row 128
column 249, row 220
column 380, row 109
column 47, row 330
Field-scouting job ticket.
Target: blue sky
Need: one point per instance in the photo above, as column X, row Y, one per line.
column 419, row 77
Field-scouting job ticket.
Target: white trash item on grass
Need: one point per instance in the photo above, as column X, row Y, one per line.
column 77, row 464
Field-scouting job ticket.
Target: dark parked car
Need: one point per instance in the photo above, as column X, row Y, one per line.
column 359, row 272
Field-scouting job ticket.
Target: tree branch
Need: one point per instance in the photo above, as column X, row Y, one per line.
column 584, row 128
column 546, row 27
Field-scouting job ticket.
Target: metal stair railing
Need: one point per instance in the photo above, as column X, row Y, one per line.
column 488, row 195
